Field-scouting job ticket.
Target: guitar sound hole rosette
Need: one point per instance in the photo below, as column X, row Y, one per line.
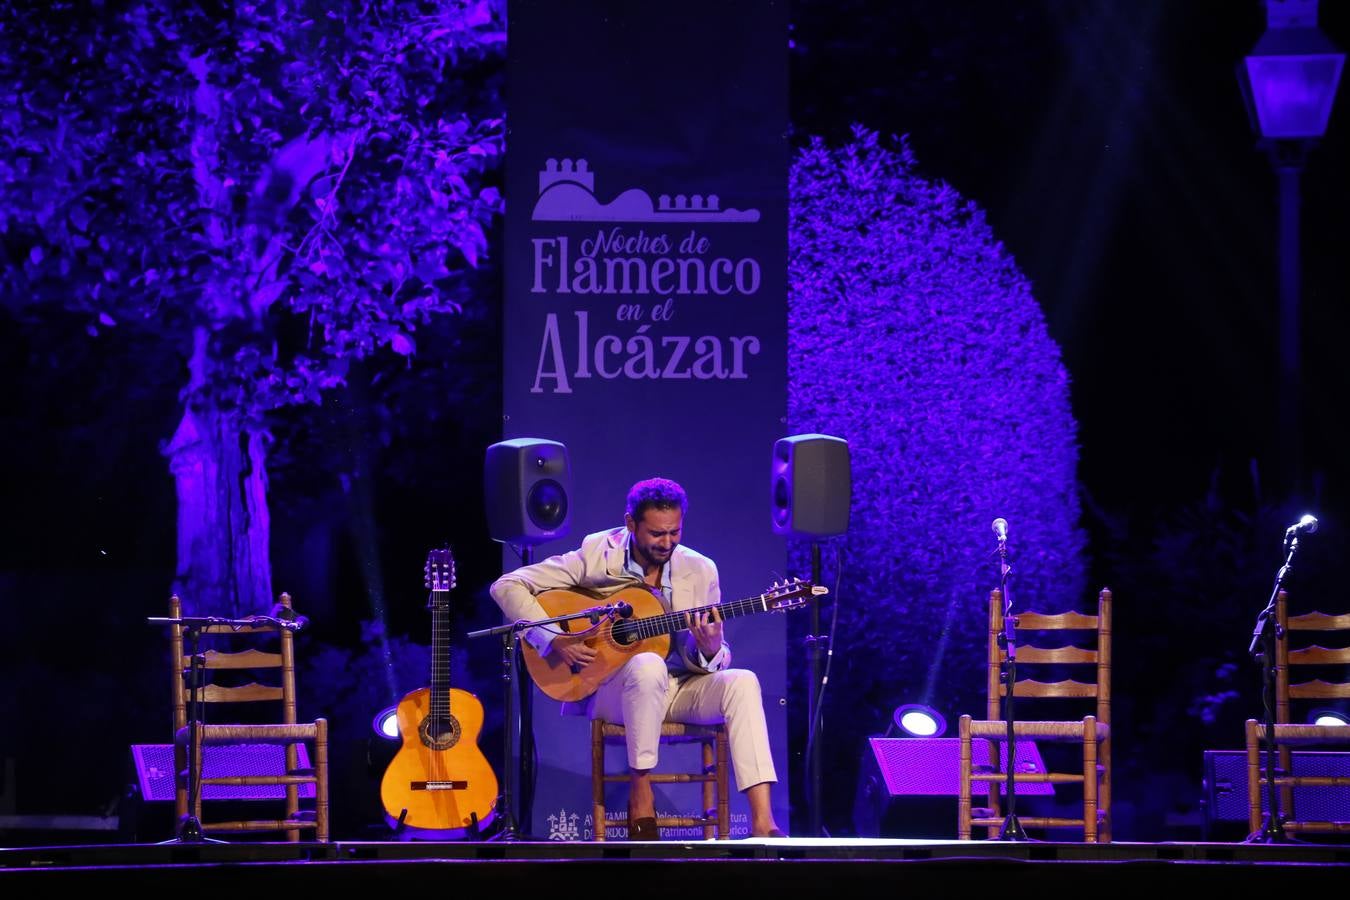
column 440, row 732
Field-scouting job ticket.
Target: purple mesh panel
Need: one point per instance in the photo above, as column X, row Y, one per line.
column 933, row 765
column 154, row 767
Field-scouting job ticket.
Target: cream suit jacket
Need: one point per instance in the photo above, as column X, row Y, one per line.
column 598, row 566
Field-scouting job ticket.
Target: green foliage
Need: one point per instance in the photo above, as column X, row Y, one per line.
column 914, row 336
column 307, row 182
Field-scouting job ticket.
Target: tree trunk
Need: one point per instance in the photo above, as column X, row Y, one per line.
column 219, row 465
column 218, row 457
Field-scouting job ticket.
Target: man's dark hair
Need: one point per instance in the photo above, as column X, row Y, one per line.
column 656, row 493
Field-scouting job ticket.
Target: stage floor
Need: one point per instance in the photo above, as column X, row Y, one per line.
column 785, row 864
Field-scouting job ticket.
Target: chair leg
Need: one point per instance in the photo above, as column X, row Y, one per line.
column 321, row 781
column 598, row 779
column 1253, row 778
column 292, row 792
column 180, row 786
column 1090, row 780
column 994, row 794
column 1104, row 794
column 709, row 788
column 723, row 787
column 963, row 799
column 1286, row 763
column 197, row 770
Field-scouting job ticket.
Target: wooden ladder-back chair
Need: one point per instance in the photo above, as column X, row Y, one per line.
column 716, row 818
column 269, row 751
column 1297, row 643
column 1092, row 732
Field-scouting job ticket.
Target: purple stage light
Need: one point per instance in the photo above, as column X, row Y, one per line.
column 1329, row 717
column 917, row 720
column 385, row 723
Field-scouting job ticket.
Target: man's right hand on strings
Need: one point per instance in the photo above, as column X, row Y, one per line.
column 572, row 651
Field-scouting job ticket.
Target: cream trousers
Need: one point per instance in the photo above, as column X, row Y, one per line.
column 642, row 694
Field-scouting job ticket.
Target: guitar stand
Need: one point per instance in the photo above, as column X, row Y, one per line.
column 397, row 830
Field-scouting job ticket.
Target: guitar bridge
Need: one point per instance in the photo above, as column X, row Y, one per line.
column 439, row 785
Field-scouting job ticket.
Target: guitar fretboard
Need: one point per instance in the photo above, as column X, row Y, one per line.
column 673, row 622
column 440, row 654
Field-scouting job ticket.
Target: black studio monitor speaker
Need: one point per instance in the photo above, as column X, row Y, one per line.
column 1225, row 790
column 907, row 787
column 526, row 484
column 812, row 485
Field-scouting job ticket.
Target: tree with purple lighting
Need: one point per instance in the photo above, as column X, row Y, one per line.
column 274, row 192
column 914, row 336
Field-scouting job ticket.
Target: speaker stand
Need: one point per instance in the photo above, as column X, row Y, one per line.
column 526, row 743
column 815, row 641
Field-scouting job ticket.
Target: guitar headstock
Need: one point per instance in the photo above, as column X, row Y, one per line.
column 439, row 570
column 792, row 593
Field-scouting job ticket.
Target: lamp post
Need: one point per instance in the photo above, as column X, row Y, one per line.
column 1289, row 82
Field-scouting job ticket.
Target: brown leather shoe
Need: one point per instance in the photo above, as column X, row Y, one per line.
column 643, row 829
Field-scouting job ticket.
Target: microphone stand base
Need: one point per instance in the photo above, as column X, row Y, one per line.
column 190, row 832
column 506, row 831
column 1271, row 833
column 1012, row 830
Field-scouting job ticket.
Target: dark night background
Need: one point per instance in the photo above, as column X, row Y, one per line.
column 1109, row 146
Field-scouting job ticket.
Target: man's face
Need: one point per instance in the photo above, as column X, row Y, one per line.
column 656, row 534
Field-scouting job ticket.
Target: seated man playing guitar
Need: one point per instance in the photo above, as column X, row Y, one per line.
column 691, row 685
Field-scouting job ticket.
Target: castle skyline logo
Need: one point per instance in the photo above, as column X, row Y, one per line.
column 567, row 194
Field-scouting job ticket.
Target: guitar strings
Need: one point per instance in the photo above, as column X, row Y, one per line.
column 440, row 671
column 437, row 639
column 668, row 623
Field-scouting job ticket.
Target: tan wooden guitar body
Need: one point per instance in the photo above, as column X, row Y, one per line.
column 558, row 680
column 442, row 789
column 648, row 630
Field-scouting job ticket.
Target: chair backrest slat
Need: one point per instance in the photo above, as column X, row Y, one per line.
column 1028, row 687
column 243, row 659
column 243, row 693
column 1061, row 655
column 1320, row 656
column 1316, row 621
column 1066, row 621
column 1320, row 690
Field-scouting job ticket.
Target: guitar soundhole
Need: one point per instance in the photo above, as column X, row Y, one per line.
column 624, row 634
column 440, row 732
